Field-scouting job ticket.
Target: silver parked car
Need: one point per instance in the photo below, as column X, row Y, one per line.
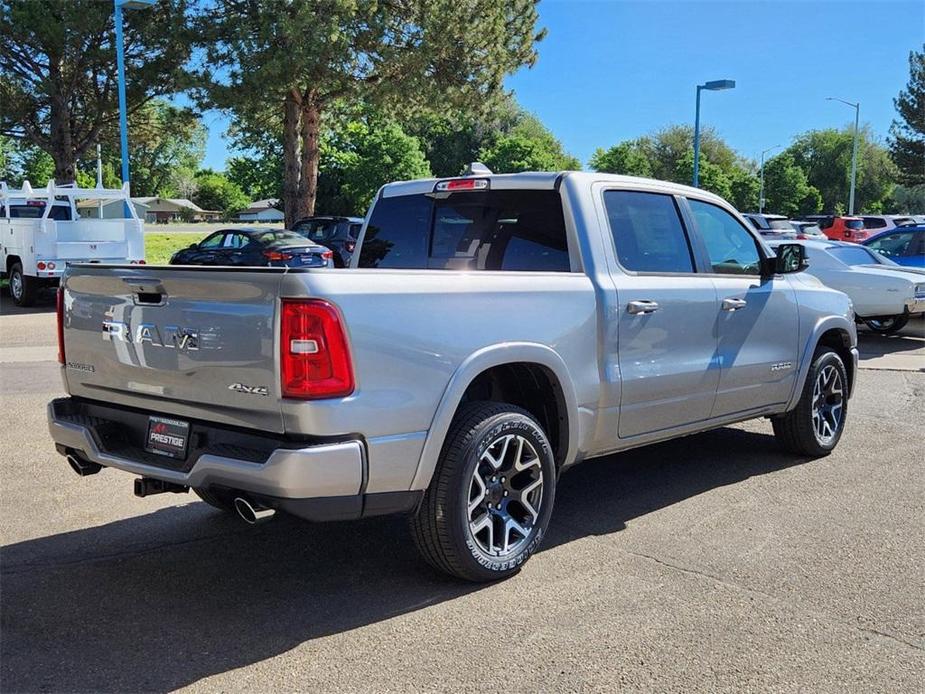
column 494, row 330
column 884, row 293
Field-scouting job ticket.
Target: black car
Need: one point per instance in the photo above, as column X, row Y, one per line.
column 246, row 246
column 340, row 234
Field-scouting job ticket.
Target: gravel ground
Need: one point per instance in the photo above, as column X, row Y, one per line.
column 713, row 563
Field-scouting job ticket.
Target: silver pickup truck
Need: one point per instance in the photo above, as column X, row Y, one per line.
column 492, row 331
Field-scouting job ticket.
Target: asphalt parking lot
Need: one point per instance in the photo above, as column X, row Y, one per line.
column 713, row 563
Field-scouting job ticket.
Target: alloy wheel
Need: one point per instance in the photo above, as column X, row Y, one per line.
column 828, row 404
column 16, row 285
column 505, row 496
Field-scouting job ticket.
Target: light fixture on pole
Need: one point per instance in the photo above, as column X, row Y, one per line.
column 854, row 149
column 761, row 192
column 120, row 68
column 714, row 86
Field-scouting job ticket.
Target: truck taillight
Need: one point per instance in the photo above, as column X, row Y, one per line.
column 60, row 311
column 314, row 355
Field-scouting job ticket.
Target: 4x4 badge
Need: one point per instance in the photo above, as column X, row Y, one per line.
column 249, row 390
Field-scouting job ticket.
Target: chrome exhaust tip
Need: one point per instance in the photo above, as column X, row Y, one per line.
column 83, row 467
column 252, row 514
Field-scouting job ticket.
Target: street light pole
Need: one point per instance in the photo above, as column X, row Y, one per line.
column 120, row 68
column 761, row 192
column 715, row 85
column 854, row 148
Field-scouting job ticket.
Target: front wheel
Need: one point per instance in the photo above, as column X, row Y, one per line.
column 888, row 325
column 815, row 425
column 488, row 505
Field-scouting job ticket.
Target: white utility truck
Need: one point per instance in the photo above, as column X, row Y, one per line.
column 41, row 232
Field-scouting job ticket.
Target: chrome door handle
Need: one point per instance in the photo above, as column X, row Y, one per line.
column 641, row 307
column 733, row 304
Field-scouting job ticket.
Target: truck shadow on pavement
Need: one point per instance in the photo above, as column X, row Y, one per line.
column 44, row 303
column 162, row 600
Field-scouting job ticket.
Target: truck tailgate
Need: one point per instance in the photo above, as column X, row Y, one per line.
column 192, row 342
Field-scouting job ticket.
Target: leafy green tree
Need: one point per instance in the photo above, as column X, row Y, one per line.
column 527, row 146
column 164, row 139
column 744, row 188
column 908, row 199
column 360, row 155
column 712, row 176
column 669, row 146
column 787, row 190
column 215, row 192
column 57, row 84
column 907, row 133
column 825, row 158
column 629, row 158
column 260, row 177
column 301, row 59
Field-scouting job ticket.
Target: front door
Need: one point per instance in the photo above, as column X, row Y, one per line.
column 666, row 315
column 757, row 323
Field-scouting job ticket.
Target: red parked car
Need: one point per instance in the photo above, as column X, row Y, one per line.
column 849, row 229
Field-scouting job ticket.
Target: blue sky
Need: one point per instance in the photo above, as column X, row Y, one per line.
column 611, row 70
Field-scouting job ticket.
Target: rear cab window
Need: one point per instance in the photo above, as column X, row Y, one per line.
column 516, row 230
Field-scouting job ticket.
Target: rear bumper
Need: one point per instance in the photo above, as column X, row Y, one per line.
column 317, row 481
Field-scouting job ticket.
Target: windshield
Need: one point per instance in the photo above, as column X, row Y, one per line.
column 278, row 237
column 318, row 229
column 855, row 255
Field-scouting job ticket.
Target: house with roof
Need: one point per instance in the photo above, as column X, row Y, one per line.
column 175, row 209
column 262, row 211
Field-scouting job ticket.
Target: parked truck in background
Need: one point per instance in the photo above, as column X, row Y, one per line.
column 492, row 331
column 41, row 232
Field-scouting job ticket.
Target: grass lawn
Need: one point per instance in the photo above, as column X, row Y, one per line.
column 160, row 246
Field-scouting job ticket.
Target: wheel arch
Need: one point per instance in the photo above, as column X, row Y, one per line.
column 485, row 371
column 839, row 335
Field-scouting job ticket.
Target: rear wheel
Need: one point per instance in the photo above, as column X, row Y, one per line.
column 22, row 287
column 489, row 502
column 887, row 325
column 815, row 425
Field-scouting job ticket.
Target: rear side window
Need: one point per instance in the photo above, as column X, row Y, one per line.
column 647, row 232
column 732, row 249
column 874, row 223
column 485, row 230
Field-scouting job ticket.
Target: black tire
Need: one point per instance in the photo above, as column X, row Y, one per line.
column 22, row 287
column 887, row 325
column 220, row 501
column 797, row 430
column 441, row 527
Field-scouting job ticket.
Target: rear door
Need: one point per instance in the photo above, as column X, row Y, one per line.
column 193, row 343
column 665, row 318
column 757, row 322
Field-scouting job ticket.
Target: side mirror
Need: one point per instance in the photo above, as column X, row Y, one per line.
column 791, row 257
column 192, row 246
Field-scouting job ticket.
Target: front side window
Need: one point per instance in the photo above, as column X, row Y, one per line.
column 731, row 248
column 484, row 230
column 647, row 232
